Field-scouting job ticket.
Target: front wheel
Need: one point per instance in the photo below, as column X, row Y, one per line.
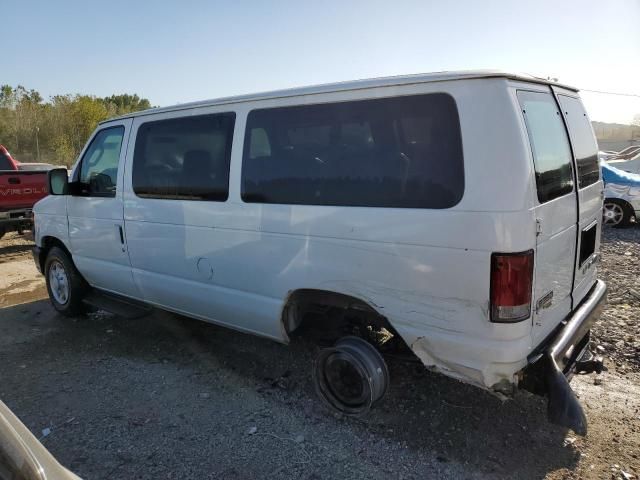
column 65, row 285
column 616, row 213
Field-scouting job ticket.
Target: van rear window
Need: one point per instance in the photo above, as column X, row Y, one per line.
column 549, row 145
column 4, row 162
column 584, row 143
column 394, row 152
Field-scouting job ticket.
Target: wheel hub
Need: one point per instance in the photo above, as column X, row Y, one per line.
column 59, row 282
column 612, row 213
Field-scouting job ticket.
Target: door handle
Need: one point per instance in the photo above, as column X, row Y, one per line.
column 121, row 232
column 14, row 180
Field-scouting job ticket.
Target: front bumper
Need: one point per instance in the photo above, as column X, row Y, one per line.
column 554, row 362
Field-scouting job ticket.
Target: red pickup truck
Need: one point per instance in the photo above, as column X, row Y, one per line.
column 21, row 186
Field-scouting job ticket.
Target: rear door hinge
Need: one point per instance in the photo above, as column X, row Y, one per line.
column 538, row 227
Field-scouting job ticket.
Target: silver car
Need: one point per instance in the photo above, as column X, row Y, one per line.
column 22, row 456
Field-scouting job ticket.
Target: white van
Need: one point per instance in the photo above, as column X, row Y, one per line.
column 458, row 212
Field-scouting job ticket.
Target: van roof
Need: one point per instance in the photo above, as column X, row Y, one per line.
column 351, row 85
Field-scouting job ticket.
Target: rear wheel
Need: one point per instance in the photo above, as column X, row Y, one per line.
column 616, row 213
column 65, row 285
column 351, row 376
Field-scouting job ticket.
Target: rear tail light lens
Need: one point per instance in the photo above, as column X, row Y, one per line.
column 511, row 282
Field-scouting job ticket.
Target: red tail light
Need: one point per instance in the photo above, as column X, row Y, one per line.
column 511, row 281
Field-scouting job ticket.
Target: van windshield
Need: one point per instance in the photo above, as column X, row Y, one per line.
column 549, row 145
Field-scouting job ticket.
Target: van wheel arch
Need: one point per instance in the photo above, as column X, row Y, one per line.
column 299, row 302
column 350, row 373
column 48, row 243
column 333, row 315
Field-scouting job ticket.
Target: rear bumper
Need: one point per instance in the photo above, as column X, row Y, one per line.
column 16, row 218
column 562, row 349
column 554, row 362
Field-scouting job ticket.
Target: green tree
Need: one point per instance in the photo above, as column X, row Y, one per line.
column 126, row 103
column 8, row 123
column 59, row 128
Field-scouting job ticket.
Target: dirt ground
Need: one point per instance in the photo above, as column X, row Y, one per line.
column 166, row 397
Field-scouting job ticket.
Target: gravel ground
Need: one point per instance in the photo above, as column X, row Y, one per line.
column 169, row 397
column 20, row 282
column 618, row 333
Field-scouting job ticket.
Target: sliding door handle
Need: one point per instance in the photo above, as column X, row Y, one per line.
column 121, row 233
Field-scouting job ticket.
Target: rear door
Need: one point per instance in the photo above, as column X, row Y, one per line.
column 590, row 190
column 555, row 211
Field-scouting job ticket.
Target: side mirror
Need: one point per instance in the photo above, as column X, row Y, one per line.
column 58, row 179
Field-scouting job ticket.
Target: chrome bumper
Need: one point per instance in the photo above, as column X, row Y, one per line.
column 554, row 362
column 16, row 217
column 562, row 349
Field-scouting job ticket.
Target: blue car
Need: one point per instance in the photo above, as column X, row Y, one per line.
column 621, row 196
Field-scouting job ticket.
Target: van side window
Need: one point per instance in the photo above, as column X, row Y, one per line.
column 99, row 167
column 403, row 152
column 184, row 158
column 549, row 144
column 582, row 139
column 259, row 144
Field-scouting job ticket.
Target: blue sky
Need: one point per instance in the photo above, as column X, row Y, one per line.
column 174, row 52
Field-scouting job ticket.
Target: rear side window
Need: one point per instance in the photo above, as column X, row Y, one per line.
column 184, row 158
column 393, row 152
column 5, row 163
column 549, row 144
column 584, row 143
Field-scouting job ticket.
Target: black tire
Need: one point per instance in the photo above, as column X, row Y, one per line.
column 2, row 232
column 68, row 304
column 351, row 376
column 617, row 205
